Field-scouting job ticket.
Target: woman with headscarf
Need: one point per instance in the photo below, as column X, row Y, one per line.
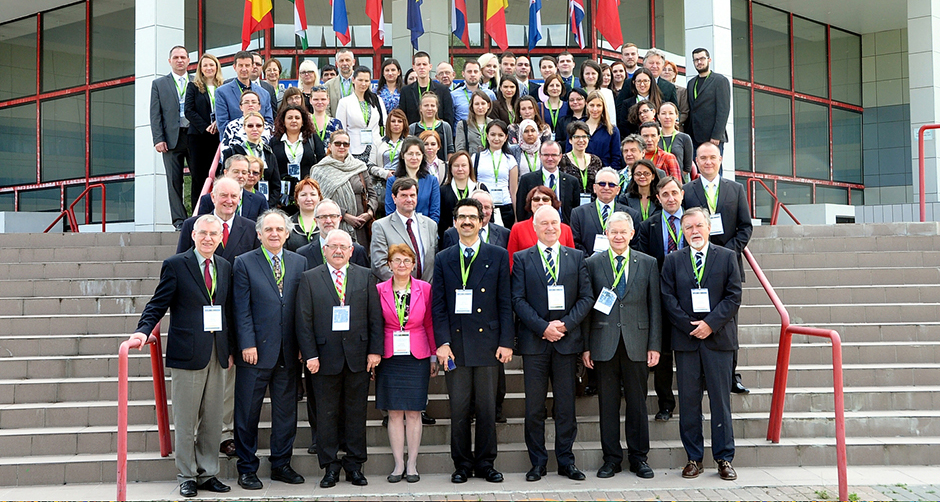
column 345, row 179
column 526, row 151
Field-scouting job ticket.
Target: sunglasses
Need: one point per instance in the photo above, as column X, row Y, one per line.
column 605, row 184
column 341, row 144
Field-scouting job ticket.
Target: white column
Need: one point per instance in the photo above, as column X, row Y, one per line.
column 158, row 27
column 923, row 23
column 436, row 38
column 708, row 25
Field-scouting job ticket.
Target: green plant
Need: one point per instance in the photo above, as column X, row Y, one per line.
column 853, row 497
column 822, row 494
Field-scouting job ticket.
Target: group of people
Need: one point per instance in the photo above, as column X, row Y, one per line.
column 581, row 260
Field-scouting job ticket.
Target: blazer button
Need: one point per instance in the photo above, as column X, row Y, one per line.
column 479, row 310
column 481, row 330
column 483, row 290
column 621, row 305
column 618, row 325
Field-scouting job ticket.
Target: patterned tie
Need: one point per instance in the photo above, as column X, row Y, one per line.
column 622, row 285
column 482, row 235
column 208, row 277
column 550, row 268
column 671, row 243
column 699, row 256
column 605, row 214
column 340, row 290
column 414, row 245
column 551, row 182
column 278, row 273
column 224, row 234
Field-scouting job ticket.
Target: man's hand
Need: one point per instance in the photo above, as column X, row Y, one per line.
column 313, row 365
column 231, row 360
column 213, row 128
column 586, row 359
column 443, row 354
column 250, row 356
column 715, row 142
column 161, row 147
column 142, row 338
column 701, row 330
column 504, row 354
column 652, row 358
column 560, row 326
column 373, row 361
column 551, row 333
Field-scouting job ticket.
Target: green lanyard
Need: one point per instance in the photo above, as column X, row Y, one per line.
column 393, row 151
column 316, row 128
column 668, row 149
column 512, row 116
column 698, row 272
column 366, row 112
column 584, row 173
column 400, row 304
column 645, row 209
column 672, row 232
column 553, row 114
column 303, row 228
column 695, row 89
column 712, row 199
column 341, row 292
column 250, row 150
column 424, row 127
column 613, row 266
column 211, row 92
column 600, row 216
column 345, row 89
column 482, row 134
column 292, row 149
column 533, row 164
column 423, row 92
column 465, row 269
column 278, row 280
column 496, row 164
column 180, row 90
column 462, row 194
column 553, row 271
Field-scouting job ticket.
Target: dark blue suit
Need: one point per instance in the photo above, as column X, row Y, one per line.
column 314, row 254
column 242, row 238
column 498, row 236
column 253, row 204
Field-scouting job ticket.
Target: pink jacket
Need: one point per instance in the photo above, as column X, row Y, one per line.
column 419, row 319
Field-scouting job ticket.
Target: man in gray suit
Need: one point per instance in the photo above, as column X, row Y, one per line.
column 622, row 342
column 341, row 85
column 168, row 127
column 404, row 226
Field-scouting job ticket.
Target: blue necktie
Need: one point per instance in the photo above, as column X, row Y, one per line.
column 605, row 214
column 699, row 257
column 551, row 182
column 622, row 285
column 551, row 267
column 468, row 254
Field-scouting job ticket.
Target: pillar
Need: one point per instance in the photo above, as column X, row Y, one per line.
column 923, row 41
column 436, row 38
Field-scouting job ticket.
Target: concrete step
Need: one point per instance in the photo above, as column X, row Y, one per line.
column 839, row 244
column 89, row 254
column 754, row 294
column 38, row 346
column 107, row 286
column 74, row 305
column 852, row 353
column 69, row 270
column 85, row 240
column 844, row 259
column 801, row 375
column 62, row 324
column 871, row 313
column 825, row 277
column 847, row 230
column 848, row 331
column 62, row 367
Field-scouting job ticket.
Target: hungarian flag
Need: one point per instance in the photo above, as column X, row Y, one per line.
column 576, row 10
column 459, row 17
column 300, row 22
column 340, row 21
column 374, row 11
column 496, row 22
column 607, row 22
column 257, row 17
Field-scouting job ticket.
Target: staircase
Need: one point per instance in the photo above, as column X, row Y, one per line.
column 67, row 301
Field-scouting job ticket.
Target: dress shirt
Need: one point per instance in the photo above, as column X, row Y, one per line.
column 416, row 230
column 475, row 247
column 626, row 263
column 666, row 236
column 201, row 260
column 555, row 248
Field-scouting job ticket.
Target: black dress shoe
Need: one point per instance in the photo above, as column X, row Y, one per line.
column 427, row 419
column 312, row 449
column 590, row 390
column 663, row 415
column 739, row 388
column 459, row 476
column 356, row 478
column 500, row 418
column 249, row 481
column 228, row 448
column 329, row 479
column 286, row 474
column 608, row 470
column 535, row 473
column 572, row 472
column 491, row 475
column 642, row 470
column 188, row 488
column 214, row 485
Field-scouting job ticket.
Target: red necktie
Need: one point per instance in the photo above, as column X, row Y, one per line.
column 414, row 244
column 671, row 243
column 224, row 233
column 208, row 276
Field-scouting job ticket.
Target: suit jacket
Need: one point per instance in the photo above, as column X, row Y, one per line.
column 314, row 150
column 733, row 208
column 474, row 338
column 568, row 191
column 314, row 254
column 636, row 318
column 316, row 297
column 335, row 90
column 708, row 113
column 227, row 97
column 498, row 236
column 410, row 103
column 272, row 92
column 242, row 238
column 253, row 204
column 420, row 323
column 723, row 282
column 165, row 110
column 272, row 172
column 649, row 238
column 182, row 290
column 530, row 300
column 264, row 317
column 390, row 230
column 198, row 108
column 586, row 225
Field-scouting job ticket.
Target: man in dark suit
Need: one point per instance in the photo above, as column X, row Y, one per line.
column 196, row 286
column 709, row 103
column 566, row 186
column 726, row 201
column 251, row 204
column 227, row 96
column 328, row 216
column 341, row 335
column 658, row 236
column 701, row 293
column 265, row 287
column 551, row 294
column 473, row 327
column 490, row 232
column 622, row 339
column 168, row 125
column 410, row 101
column 238, row 233
column 589, row 222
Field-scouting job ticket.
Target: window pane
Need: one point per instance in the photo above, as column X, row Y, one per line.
column 740, row 40
column 191, row 28
column 812, row 140
column 831, row 195
column 670, row 25
column 809, row 55
column 63, row 138
column 772, row 134
column 794, row 193
column 63, row 48
column 18, row 58
column 120, row 202
column 846, row 146
column 846, row 66
column 224, row 28
column 112, row 131
column 46, row 199
column 7, row 201
column 112, row 39
column 772, row 42
column 18, row 145
column 858, row 196
column 634, row 23
column 763, row 200
column 742, row 129
column 555, row 28
column 320, row 32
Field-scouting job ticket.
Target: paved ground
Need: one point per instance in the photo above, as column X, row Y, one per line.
column 795, row 483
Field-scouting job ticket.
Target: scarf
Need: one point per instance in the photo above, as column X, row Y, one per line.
column 334, row 178
column 527, row 148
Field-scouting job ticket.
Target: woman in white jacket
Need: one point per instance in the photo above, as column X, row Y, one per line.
column 362, row 114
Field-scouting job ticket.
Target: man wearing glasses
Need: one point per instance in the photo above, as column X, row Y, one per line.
column 709, row 103
column 589, row 221
column 564, row 185
column 328, row 216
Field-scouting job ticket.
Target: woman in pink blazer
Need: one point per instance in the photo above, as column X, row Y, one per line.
column 401, row 385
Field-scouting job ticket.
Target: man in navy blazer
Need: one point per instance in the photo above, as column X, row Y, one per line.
column 228, row 95
column 168, row 125
column 701, row 294
column 196, row 287
column 565, row 185
column 242, row 237
column 551, row 295
column 251, row 204
column 589, row 221
column 265, row 289
column 491, row 233
column 474, row 329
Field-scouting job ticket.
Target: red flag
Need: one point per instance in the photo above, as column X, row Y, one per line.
column 257, row 17
column 608, row 22
column 374, row 11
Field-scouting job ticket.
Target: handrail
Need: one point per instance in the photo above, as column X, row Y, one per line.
column 920, row 168
column 207, row 185
column 159, row 392
column 70, row 212
column 777, row 204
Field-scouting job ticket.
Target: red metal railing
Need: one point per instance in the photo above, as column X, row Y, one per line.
column 920, row 168
column 777, row 206
column 70, row 212
column 159, row 392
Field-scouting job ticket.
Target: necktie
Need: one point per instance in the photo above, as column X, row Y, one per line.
column 278, row 273
column 551, row 182
column 622, row 285
column 671, row 243
column 340, row 290
column 698, row 263
column 208, row 277
column 417, row 250
column 468, row 255
column 605, row 214
column 224, row 234
column 482, row 236
column 549, row 270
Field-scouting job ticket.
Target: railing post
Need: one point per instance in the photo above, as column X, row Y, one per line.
column 122, row 419
column 839, row 397
column 159, row 392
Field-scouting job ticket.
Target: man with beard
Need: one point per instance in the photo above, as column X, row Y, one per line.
column 709, row 103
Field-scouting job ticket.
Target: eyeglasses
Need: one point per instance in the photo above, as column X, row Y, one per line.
column 203, row 233
column 341, row 144
column 541, row 199
column 642, row 174
column 254, row 126
column 254, row 174
column 318, row 88
column 334, row 247
column 605, row 184
column 466, row 217
column 308, row 72
column 402, row 261
column 700, row 59
column 581, row 136
column 328, row 216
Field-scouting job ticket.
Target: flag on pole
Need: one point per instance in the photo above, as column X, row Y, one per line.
column 257, row 17
column 339, row 20
column 459, row 17
column 300, row 22
column 415, row 23
column 374, row 11
column 608, row 22
column 576, row 13
column 535, row 22
column 496, row 22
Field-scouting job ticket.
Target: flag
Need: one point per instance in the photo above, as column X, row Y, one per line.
column 535, row 22
column 415, row 23
column 608, row 22
column 496, row 22
column 257, row 17
column 340, row 21
column 374, row 11
column 459, row 16
column 576, row 13
column 300, row 22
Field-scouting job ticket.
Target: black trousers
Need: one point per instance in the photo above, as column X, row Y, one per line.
column 479, row 384
column 561, row 369
column 695, row 370
column 344, row 393
column 251, row 383
column 173, row 163
column 202, row 148
column 633, row 376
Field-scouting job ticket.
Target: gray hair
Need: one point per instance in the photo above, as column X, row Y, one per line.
column 633, row 138
column 653, row 51
column 340, row 232
column 541, row 209
column 218, row 184
column 207, row 218
column 620, row 216
column 481, row 192
column 608, row 170
column 259, row 224
column 316, row 210
column 235, row 158
column 697, row 210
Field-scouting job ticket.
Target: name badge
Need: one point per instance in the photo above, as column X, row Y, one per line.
column 285, row 188
column 605, row 301
column 585, row 199
column 464, row 301
column 497, row 194
column 401, row 343
column 601, row 243
column 717, row 228
column 700, row 301
column 182, row 111
column 341, row 318
column 262, row 188
column 293, row 170
column 365, row 136
column 212, row 318
column 556, row 298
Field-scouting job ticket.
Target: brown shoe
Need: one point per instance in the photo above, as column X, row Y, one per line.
column 227, row 447
column 692, row 469
column 725, row 470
